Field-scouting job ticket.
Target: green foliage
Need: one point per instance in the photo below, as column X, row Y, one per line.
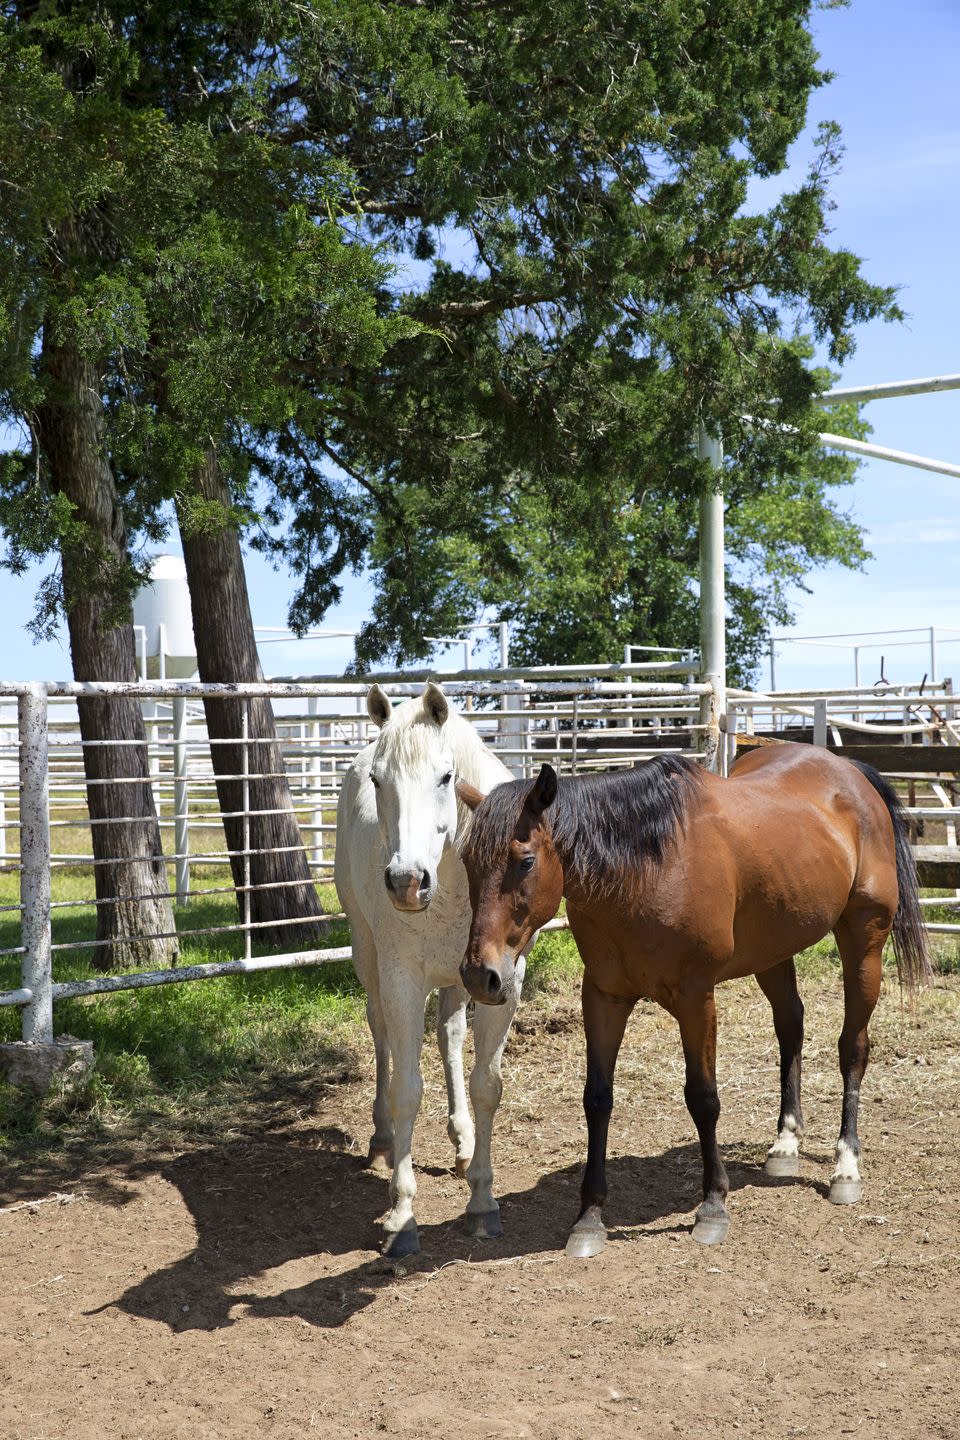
column 220, row 209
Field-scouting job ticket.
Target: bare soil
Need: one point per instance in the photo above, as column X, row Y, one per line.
column 234, row 1289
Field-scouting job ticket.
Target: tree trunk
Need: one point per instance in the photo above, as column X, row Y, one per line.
column 283, row 890
column 129, row 867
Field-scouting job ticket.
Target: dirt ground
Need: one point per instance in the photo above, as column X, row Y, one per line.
column 235, row 1290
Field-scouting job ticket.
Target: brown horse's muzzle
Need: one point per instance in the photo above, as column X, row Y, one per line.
column 489, row 982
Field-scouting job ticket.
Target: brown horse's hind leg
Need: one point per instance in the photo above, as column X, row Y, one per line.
column 604, row 1019
column 860, row 939
column 780, row 987
column 697, row 1017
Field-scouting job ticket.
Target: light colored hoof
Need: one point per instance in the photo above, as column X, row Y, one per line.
column 588, row 1236
column 780, row 1167
column 586, row 1242
column 484, row 1227
column 402, row 1242
column 844, row 1191
column 380, row 1159
column 462, row 1165
column 711, row 1229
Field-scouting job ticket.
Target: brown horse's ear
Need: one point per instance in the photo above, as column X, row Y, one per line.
column 435, row 703
column 378, row 706
column 544, row 790
column 469, row 794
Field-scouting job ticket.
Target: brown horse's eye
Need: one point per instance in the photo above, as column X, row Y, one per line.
column 527, row 864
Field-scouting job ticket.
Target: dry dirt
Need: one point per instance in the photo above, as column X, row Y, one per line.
column 234, row 1290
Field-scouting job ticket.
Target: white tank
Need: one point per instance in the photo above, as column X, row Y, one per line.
column 162, row 608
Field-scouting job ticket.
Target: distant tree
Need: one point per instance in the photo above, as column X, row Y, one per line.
column 578, row 579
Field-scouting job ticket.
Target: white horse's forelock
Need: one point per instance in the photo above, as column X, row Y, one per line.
column 409, row 741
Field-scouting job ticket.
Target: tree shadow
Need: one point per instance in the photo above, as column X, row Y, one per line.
column 259, row 1204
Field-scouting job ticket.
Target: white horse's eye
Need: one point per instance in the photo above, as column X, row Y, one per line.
column 445, row 779
column 374, row 782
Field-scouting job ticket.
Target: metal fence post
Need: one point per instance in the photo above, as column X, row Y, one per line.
column 245, row 909
column 820, row 723
column 713, row 655
column 181, row 801
column 37, row 1021
column 314, row 782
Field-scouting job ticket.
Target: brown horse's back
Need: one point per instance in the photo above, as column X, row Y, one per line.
column 812, row 839
column 768, row 862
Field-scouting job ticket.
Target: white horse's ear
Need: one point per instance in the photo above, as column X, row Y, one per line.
column 378, row 706
column 469, row 794
column 435, row 703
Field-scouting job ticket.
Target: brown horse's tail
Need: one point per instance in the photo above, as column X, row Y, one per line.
column 909, row 936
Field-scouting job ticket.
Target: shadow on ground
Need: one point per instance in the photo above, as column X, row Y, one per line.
column 258, row 1205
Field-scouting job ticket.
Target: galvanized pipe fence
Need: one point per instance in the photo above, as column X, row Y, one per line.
column 580, row 719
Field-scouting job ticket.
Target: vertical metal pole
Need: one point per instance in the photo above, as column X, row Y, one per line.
column 245, row 736
column 820, row 723
column 713, row 653
column 573, row 740
column 933, row 654
column 3, row 793
column 504, row 662
column 181, row 800
column 37, row 1020
column 856, row 666
column 629, row 722
column 313, row 770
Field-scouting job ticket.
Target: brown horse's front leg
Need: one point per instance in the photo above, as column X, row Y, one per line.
column 697, row 1017
column 604, row 1019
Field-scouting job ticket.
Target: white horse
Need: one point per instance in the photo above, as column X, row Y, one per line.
column 404, row 888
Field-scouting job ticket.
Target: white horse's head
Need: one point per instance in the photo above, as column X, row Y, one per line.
column 412, row 773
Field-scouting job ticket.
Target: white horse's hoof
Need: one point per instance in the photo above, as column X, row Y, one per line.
column 588, row 1236
column 462, row 1165
column 484, row 1227
column 402, row 1242
column 780, row 1167
column 844, row 1191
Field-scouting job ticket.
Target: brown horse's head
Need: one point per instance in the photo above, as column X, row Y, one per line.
column 515, row 876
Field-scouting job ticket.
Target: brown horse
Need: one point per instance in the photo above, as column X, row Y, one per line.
column 676, row 879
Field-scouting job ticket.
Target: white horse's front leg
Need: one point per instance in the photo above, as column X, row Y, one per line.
column 403, row 1001
column 490, row 1026
column 365, row 963
column 451, row 1033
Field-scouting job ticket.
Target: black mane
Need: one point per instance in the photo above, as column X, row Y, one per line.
column 605, row 828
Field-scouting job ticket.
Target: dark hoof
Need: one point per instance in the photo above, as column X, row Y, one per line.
column 380, row 1159
column 588, row 1236
column 711, row 1225
column 402, row 1242
column 483, row 1227
column 845, row 1192
column 780, row 1167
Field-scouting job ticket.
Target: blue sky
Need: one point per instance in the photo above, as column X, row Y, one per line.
column 898, row 207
